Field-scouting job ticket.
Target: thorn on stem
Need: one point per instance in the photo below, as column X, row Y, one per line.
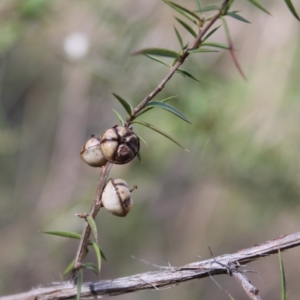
column 82, row 215
column 133, row 188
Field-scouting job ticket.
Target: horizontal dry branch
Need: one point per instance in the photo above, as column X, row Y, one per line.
column 224, row 264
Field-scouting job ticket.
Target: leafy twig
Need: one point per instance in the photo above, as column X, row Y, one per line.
column 194, row 45
column 84, row 242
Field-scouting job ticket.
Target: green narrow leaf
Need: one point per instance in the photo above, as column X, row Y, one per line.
column 179, row 38
column 185, row 73
column 231, row 49
column 208, row 8
column 237, row 17
column 282, row 278
column 156, row 59
column 86, row 252
column 160, row 132
column 98, row 255
column 103, row 255
column 168, row 99
column 69, row 268
column 216, row 45
column 211, row 33
column 169, row 108
column 292, row 9
column 141, row 139
column 124, row 103
column 139, row 157
column 227, row 7
column 258, row 5
column 79, row 283
column 187, row 27
column 93, row 226
column 183, row 11
column 67, row 234
column 149, row 108
column 119, row 117
column 158, row 52
column 199, row 4
column 101, row 252
column 202, row 50
column 92, row 267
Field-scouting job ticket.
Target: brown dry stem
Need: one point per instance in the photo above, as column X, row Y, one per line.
column 168, row 276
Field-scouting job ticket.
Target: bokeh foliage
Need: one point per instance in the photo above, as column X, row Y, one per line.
column 239, row 185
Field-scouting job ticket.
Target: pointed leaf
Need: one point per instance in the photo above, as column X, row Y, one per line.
column 216, row 45
column 93, row 226
column 98, row 255
column 227, row 7
column 185, row 73
column 179, row 38
column 69, row 268
column 208, row 8
column 231, row 49
column 139, row 157
column 161, row 132
column 187, row 27
column 142, row 140
column 149, row 108
column 292, row 9
column 67, row 234
column 210, row 33
column 103, row 255
column 237, row 17
column 258, row 5
column 183, row 11
column 92, row 267
column 101, row 252
column 79, row 283
column 86, row 252
column 124, row 103
column 119, row 117
column 282, row 278
column 201, row 50
column 169, row 108
column 156, row 59
column 199, row 4
column 158, row 52
column 168, row 99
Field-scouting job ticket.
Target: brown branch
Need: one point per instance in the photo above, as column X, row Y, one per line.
column 106, row 169
column 167, row 276
column 194, row 45
column 250, row 290
column 84, row 241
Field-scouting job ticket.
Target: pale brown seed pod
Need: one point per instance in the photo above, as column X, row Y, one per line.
column 91, row 153
column 119, row 144
column 116, row 197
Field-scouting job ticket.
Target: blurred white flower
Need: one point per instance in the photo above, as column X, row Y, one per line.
column 76, row 45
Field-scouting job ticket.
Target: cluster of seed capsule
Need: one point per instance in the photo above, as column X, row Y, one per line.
column 118, row 145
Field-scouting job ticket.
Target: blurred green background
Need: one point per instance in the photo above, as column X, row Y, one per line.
column 239, row 185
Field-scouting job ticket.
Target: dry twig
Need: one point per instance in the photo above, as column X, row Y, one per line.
column 169, row 276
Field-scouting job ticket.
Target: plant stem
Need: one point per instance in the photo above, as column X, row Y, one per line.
column 84, row 241
column 194, row 45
